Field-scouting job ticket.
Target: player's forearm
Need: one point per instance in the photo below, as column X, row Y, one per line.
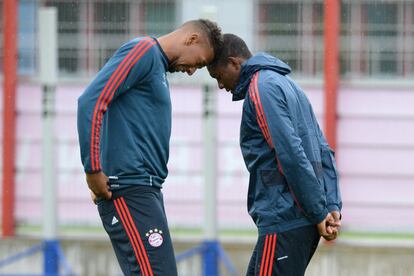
column 330, row 180
column 308, row 195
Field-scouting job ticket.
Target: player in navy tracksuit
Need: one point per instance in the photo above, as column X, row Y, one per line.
column 124, row 126
column 293, row 183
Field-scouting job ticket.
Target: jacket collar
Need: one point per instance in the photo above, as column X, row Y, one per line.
column 260, row 61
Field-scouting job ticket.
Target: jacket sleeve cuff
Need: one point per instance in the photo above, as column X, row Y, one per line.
column 320, row 217
column 92, row 172
column 333, row 207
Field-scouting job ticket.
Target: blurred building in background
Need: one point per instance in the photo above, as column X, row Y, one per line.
column 375, row 148
column 376, row 36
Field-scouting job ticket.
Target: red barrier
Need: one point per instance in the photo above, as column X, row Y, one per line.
column 10, row 16
column 331, row 68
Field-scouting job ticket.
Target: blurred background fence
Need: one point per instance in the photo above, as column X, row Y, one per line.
column 375, row 148
column 376, row 36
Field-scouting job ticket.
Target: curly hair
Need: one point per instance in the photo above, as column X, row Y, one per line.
column 233, row 46
column 213, row 32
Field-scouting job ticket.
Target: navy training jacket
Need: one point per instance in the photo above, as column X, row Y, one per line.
column 293, row 177
column 124, row 116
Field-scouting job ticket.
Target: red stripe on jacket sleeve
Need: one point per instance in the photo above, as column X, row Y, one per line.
column 107, row 94
column 261, row 119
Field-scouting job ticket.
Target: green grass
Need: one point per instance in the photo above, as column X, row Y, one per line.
column 377, row 236
column 90, row 230
column 31, row 230
column 222, row 232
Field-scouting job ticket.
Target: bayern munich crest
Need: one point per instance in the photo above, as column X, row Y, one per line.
column 155, row 238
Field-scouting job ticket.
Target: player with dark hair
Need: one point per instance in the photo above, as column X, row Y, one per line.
column 124, row 127
column 293, row 195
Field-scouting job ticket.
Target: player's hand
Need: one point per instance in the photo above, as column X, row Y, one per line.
column 336, row 223
column 333, row 226
column 94, row 197
column 337, row 217
column 327, row 228
column 98, row 183
column 321, row 226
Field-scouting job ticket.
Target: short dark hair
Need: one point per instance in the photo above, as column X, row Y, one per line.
column 213, row 32
column 233, row 46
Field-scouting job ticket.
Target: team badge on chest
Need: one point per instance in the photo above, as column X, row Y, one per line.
column 155, row 238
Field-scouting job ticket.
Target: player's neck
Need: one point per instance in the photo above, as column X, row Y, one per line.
column 169, row 43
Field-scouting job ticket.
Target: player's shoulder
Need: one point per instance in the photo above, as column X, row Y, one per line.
column 268, row 76
column 269, row 80
column 143, row 40
column 140, row 45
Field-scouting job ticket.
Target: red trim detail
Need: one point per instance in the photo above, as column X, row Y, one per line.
column 132, row 238
column 254, row 94
column 273, row 254
column 261, row 119
column 264, row 256
column 295, row 199
column 108, row 92
column 122, row 74
column 269, row 249
column 135, row 230
column 279, row 166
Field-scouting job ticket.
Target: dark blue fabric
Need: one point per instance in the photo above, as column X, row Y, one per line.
column 136, row 129
column 306, row 187
column 146, row 207
column 293, row 251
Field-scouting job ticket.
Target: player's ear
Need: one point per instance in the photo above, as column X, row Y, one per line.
column 192, row 38
column 235, row 63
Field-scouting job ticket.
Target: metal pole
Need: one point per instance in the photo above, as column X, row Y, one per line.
column 9, row 114
column 210, row 191
column 331, row 68
column 48, row 79
column 48, row 173
column 210, row 244
column 211, row 247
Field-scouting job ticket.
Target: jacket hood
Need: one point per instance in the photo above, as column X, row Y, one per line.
column 257, row 62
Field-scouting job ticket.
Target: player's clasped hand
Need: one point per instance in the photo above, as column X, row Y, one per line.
column 333, row 226
column 98, row 183
column 329, row 227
